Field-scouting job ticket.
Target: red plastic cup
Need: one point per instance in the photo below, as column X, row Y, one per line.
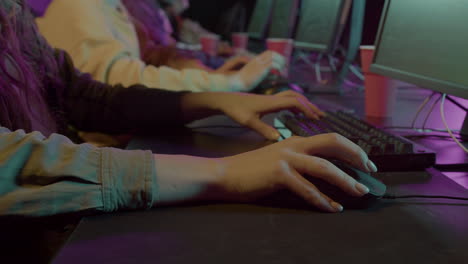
column 240, row 41
column 209, row 44
column 284, row 47
column 380, row 93
column 367, row 54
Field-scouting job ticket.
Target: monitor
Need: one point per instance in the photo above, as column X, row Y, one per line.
column 425, row 42
column 283, row 18
column 260, row 19
column 321, row 23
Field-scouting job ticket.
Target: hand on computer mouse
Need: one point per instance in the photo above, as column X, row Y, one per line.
column 256, row 70
column 282, row 165
column 257, row 173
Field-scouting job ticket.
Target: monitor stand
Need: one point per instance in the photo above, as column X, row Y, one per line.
column 464, row 128
column 356, row 27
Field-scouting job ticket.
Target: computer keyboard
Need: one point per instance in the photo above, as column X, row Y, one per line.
column 388, row 151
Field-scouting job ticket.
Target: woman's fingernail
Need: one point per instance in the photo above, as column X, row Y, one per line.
column 371, row 166
column 362, row 188
column 275, row 136
column 338, row 207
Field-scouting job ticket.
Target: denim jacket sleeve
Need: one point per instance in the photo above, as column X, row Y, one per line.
column 46, row 176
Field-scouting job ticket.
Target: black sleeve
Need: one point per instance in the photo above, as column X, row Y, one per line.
column 93, row 106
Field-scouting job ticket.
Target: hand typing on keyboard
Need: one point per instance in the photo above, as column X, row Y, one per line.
column 248, row 109
column 256, row 70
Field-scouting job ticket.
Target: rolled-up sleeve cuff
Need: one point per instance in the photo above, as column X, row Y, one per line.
column 127, row 179
column 220, row 83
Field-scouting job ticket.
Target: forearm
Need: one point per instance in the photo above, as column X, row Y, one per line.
column 195, row 106
column 185, row 63
column 129, row 71
column 93, row 106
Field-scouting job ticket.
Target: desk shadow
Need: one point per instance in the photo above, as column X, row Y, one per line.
column 287, row 200
column 200, row 143
column 280, row 202
column 401, row 178
column 430, row 203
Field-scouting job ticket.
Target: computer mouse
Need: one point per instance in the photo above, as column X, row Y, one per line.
column 274, row 84
column 270, row 89
column 377, row 189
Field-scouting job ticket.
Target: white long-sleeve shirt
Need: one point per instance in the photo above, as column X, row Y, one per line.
column 102, row 41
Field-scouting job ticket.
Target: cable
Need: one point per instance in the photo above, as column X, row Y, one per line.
column 455, row 131
column 353, row 84
column 457, row 167
column 442, row 114
column 356, row 72
column 430, row 111
column 430, row 136
column 421, row 107
column 389, row 196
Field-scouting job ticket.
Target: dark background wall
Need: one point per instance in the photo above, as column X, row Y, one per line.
column 225, row 16
column 221, row 16
column 371, row 20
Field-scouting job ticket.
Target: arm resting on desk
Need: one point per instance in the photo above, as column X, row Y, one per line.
column 46, row 176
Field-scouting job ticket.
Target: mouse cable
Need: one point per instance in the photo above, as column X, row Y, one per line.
column 433, row 136
column 389, row 196
column 442, row 114
column 426, row 130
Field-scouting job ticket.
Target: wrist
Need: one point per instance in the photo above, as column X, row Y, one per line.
column 235, row 83
column 200, row 105
column 181, row 178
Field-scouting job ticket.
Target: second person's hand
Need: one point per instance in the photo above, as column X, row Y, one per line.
column 256, row 71
column 248, row 109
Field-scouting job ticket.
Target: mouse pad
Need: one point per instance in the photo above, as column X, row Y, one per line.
column 406, row 231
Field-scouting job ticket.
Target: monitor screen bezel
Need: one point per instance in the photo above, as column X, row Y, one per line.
column 255, row 34
column 417, row 79
column 338, row 26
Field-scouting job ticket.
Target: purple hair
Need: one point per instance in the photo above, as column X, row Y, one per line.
column 154, row 41
column 146, row 14
column 27, row 67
